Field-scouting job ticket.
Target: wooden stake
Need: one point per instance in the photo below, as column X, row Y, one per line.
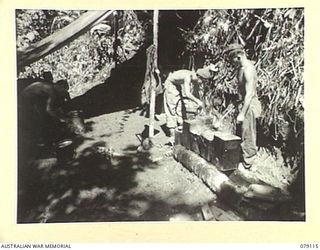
column 115, row 44
column 153, row 82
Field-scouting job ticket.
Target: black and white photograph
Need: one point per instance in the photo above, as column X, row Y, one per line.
column 168, row 115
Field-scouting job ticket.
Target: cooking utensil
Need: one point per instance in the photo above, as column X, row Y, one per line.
column 217, row 124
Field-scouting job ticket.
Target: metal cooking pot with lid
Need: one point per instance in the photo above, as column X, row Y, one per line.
column 65, row 150
column 76, row 122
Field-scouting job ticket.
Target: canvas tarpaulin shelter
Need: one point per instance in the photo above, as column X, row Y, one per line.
column 60, row 38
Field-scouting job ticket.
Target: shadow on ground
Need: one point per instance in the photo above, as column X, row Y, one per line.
column 91, row 188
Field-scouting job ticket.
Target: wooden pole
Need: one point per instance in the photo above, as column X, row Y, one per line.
column 115, row 44
column 153, row 82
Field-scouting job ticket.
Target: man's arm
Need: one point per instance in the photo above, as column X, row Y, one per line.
column 50, row 110
column 187, row 82
column 68, row 98
column 248, row 78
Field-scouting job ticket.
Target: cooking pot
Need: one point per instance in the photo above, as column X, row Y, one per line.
column 76, row 122
column 65, row 151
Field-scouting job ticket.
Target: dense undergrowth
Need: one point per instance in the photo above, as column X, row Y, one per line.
column 274, row 40
column 86, row 61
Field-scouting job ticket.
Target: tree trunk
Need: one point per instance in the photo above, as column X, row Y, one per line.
column 153, row 82
column 116, row 41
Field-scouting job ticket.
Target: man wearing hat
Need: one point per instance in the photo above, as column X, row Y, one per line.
column 177, row 94
column 249, row 105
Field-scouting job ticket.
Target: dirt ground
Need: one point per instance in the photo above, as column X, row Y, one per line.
column 130, row 186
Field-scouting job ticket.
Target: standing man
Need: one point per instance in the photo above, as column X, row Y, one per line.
column 177, row 91
column 250, row 106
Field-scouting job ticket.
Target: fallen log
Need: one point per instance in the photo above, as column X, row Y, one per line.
column 200, row 167
column 254, row 201
column 266, row 193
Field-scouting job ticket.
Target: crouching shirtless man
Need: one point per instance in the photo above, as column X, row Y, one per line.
column 40, row 109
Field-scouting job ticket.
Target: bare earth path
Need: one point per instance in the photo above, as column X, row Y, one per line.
column 131, row 187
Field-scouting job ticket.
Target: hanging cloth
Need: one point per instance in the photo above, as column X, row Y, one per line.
column 151, row 77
